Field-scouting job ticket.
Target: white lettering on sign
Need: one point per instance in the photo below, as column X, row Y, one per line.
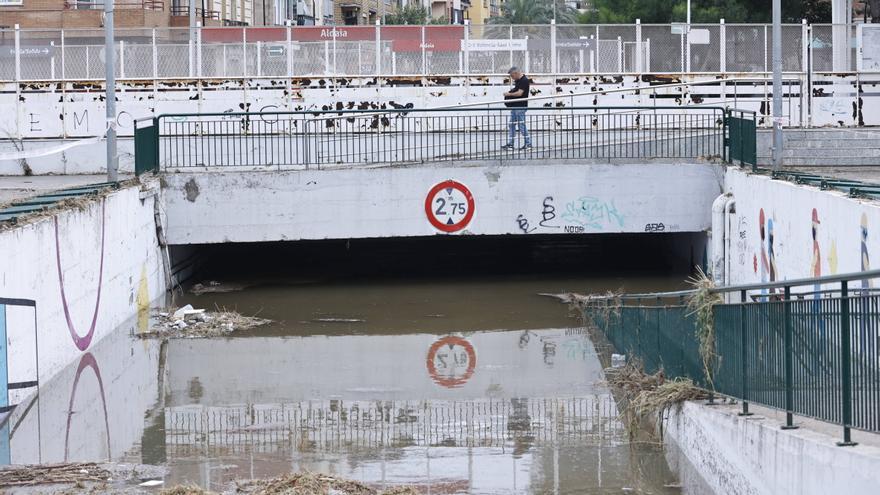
column 334, row 33
column 494, row 45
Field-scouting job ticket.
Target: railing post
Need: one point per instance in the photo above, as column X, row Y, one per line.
column 744, row 356
column 17, row 53
column 846, row 365
column 789, row 361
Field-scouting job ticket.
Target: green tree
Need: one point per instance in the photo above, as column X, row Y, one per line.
column 704, row 11
column 534, row 12
column 410, row 14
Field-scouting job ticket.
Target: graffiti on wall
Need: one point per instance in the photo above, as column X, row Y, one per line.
column 82, row 342
column 576, row 217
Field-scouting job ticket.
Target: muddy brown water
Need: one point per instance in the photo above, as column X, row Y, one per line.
column 451, row 384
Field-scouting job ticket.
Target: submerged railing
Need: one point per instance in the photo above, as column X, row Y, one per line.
column 352, row 137
column 809, row 347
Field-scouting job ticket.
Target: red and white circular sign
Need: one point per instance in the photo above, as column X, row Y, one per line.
column 449, row 206
column 451, row 361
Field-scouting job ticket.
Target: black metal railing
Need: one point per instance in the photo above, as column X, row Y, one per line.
column 809, row 347
column 350, row 137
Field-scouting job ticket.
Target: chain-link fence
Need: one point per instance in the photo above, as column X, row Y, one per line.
column 174, row 53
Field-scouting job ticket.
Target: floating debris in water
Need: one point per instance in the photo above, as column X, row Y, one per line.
column 338, row 320
column 189, row 323
column 213, row 286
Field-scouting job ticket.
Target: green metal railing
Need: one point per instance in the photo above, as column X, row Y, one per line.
column 341, row 137
column 808, row 347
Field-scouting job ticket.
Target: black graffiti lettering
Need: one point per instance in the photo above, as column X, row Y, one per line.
column 79, row 120
column 124, row 120
column 34, row 123
column 523, row 224
column 655, row 227
column 574, row 229
column 548, row 213
column 273, row 118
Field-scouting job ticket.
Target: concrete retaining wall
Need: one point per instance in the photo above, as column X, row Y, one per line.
column 72, row 110
column 88, row 269
column 538, row 198
column 738, row 456
column 847, row 233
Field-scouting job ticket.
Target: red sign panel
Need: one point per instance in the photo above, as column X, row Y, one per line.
column 402, row 38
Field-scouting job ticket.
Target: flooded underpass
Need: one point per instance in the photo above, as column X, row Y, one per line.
column 432, row 363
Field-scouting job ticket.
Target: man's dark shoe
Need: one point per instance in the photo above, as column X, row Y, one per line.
column 507, row 147
column 527, row 147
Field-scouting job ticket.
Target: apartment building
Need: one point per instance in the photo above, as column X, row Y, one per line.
column 79, row 14
column 480, row 11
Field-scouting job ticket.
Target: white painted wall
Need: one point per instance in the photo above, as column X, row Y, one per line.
column 84, row 412
column 131, row 277
column 752, row 456
column 389, row 202
column 76, row 110
column 790, row 207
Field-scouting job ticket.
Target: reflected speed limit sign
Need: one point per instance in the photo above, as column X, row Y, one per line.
column 449, row 206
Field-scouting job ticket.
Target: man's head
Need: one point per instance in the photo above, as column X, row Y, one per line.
column 515, row 73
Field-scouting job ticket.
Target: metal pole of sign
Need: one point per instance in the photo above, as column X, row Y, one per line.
column 777, row 85
column 110, row 87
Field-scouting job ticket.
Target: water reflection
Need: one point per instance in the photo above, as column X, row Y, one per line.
column 480, row 412
column 93, row 410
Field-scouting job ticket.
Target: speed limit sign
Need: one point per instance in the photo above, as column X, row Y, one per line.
column 449, row 206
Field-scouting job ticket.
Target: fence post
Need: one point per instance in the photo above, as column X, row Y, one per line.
column 424, row 54
column 17, row 53
column 378, row 47
column 289, row 69
column 638, row 46
column 845, row 365
column 789, row 361
column 259, row 58
column 554, row 62
column 199, row 50
column 722, row 35
column 155, row 55
column 121, row 59
column 467, row 47
column 744, row 354
column 63, row 57
column 619, row 54
column 244, row 73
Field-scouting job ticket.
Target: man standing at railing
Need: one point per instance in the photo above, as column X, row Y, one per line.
column 518, row 103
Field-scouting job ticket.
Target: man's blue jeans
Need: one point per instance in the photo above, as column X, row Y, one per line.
column 518, row 119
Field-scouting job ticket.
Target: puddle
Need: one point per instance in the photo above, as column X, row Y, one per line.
column 476, row 386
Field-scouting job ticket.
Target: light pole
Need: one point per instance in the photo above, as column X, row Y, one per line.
column 110, row 91
column 777, row 85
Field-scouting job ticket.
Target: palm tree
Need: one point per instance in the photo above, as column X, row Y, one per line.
column 534, row 12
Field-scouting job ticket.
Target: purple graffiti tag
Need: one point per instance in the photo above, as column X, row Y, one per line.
column 82, row 342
